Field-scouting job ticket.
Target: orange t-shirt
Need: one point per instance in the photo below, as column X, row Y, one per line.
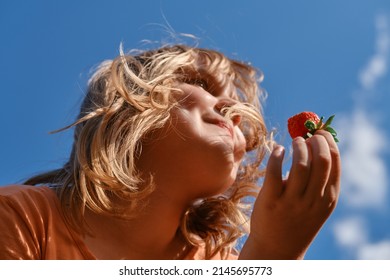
column 33, row 227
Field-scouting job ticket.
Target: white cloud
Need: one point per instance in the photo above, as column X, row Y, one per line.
column 364, row 178
column 375, row 251
column 377, row 65
column 363, row 147
column 376, row 68
column 350, row 232
column 364, row 144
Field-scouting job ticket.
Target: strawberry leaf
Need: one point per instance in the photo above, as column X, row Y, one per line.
column 329, row 121
column 331, row 130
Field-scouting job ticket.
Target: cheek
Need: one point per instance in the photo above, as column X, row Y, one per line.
column 205, row 147
column 186, row 124
column 205, row 141
column 193, row 155
column 239, row 144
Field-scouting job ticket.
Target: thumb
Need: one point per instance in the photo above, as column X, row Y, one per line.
column 273, row 181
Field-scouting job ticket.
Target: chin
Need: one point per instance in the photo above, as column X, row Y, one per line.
column 222, row 183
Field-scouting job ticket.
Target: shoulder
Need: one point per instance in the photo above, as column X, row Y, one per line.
column 31, row 207
column 24, row 202
column 28, row 197
column 17, row 190
column 33, row 226
column 25, row 213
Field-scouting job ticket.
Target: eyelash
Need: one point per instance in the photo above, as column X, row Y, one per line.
column 199, row 82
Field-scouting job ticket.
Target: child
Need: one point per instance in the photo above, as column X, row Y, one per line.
column 167, row 148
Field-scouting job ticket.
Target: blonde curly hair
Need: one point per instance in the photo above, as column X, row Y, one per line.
column 131, row 96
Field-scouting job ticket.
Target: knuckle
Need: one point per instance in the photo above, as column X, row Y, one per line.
column 332, row 194
column 302, row 166
column 323, row 159
column 319, row 139
column 323, row 133
column 334, row 151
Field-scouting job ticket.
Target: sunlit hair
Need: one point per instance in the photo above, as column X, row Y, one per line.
column 128, row 98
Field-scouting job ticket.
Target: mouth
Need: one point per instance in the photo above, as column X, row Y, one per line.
column 238, row 151
column 227, row 127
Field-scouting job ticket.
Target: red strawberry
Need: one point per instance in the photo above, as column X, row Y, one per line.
column 305, row 124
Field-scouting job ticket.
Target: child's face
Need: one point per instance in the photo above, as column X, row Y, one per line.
column 199, row 148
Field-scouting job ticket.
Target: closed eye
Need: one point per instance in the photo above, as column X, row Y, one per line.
column 199, row 82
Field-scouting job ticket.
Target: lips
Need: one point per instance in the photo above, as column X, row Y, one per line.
column 224, row 125
column 239, row 150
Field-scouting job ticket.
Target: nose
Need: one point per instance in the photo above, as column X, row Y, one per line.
column 224, row 103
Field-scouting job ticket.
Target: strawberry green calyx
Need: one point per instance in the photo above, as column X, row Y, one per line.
column 312, row 127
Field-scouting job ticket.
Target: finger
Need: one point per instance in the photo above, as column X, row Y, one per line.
column 332, row 189
column 300, row 168
column 320, row 167
column 273, row 181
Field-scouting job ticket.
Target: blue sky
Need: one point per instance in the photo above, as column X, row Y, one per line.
column 331, row 57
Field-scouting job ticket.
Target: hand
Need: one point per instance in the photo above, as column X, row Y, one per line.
column 288, row 214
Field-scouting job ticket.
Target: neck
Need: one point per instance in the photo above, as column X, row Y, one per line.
column 153, row 234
